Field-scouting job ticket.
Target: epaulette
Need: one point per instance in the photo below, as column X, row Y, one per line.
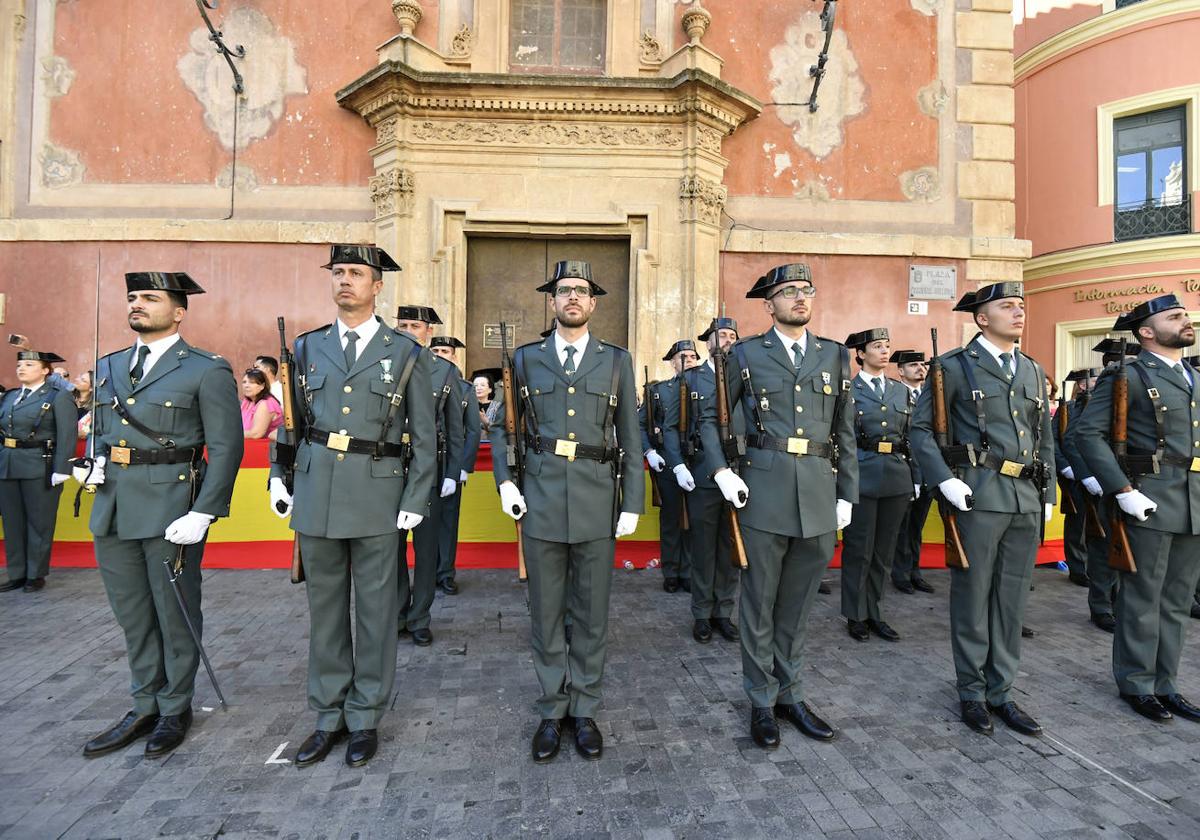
column 613, row 346
column 953, row 352
column 541, row 342
column 833, row 341
column 208, row 354
column 117, row 352
column 315, row 330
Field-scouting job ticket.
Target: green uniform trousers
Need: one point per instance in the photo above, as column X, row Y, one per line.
column 162, row 656
column 778, row 590
column 868, row 546
column 1152, row 610
column 350, row 680
column 675, row 543
column 714, row 579
column 906, row 565
column 1074, row 537
column 987, row 601
column 30, row 511
column 416, row 600
column 1103, row 579
column 569, row 580
column 448, row 534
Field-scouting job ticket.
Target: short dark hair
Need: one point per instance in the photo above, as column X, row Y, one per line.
column 269, row 362
column 177, row 299
column 258, row 378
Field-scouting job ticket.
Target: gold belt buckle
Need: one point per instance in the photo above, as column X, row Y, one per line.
column 10, row 443
column 797, row 446
column 566, row 448
column 120, row 454
column 404, row 438
column 1195, row 467
column 339, row 442
column 885, row 447
column 1011, row 468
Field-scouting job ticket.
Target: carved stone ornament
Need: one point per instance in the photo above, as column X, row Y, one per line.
column 392, row 192
column 649, row 50
column 528, row 133
column 387, row 130
column 408, row 14
column 933, row 98
column 696, row 21
column 60, row 167
column 701, row 200
column 922, row 184
column 463, row 42
column 57, row 76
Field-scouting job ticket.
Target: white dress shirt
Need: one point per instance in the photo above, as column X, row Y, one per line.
column 561, row 344
column 869, row 381
column 788, row 342
column 365, row 331
column 158, row 349
column 1187, row 374
column 995, row 352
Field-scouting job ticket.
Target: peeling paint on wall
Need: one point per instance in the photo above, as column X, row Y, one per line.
column 60, row 167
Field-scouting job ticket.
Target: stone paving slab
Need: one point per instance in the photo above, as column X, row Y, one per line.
column 678, row 759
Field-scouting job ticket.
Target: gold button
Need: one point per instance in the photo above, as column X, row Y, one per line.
column 341, row 456
column 570, row 389
column 799, row 431
column 1012, row 393
column 800, row 409
column 182, row 477
column 1193, row 405
column 124, row 423
column 345, row 409
column 167, row 403
column 1021, row 433
column 570, row 412
column 1196, row 422
column 537, row 390
column 1024, row 451
column 883, row 408
column 882, row 422
column 130, row 401
column 1014, row 412
column 570, row 436
column 347, row 389
column 342, row 431
column 121, row 443
column 797, row 387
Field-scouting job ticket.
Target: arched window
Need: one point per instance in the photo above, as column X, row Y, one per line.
column 557, row 36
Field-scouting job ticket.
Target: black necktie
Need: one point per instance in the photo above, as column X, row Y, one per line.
column 797, row 354
column 1178, row 368
column 351, row 353
column 21, row 396
column 569, row 364
column 877, row 384
column 1006, row 364
column 139, row 369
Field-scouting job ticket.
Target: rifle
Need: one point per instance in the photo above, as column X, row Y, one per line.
column 956, row 554
column 684, row 523
column 1120, row 554
column 513, row 454
column 87, row 464
column 733, row 446
column 283, row 450
column 1069, row 507
column 653, row 434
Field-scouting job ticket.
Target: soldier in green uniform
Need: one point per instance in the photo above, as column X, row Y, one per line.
column 161, row 406
column 1003, row 449
column 906, row 566
column 583, row 481
column 886, row 485
column 789, row 393
column 360, row 386
column 464, row 394
column 675, row 543
column 1074, row 540
column 1157, row 486
column 37, row 422
column 416, row 601
column 714, row 579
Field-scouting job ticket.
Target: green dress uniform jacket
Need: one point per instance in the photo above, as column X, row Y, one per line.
column 1074, row 542
column 190, row 396
column 1000, row 533
column 675, row 544
column 28, row 504
column 452, row 506
column 1152, row 603
column 1102, row 578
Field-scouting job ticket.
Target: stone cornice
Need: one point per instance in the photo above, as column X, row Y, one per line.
column 1093, row 257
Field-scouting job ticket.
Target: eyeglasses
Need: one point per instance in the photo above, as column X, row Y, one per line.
column 791, row 292
column 578, row 291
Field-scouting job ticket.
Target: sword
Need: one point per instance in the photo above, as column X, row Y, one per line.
column 173, row 569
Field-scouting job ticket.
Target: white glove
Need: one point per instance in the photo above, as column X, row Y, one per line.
column 626, row 524
column 1068, row 473
column 462, row 476
column 1093, row 486
column 449, row 485
column 188, row 529
column 281, row 499
column 92, row 476
column 655, row 460
column 1049, row 511
column 844, row 511
column 916, row 491
column 511, row 500
column 406, row 521
column 683, row 477
column 732, row 487
column 957, row 492
column 58, row 478
column 1137, row 504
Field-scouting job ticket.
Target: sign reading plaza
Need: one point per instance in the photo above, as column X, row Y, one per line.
column 932, row 282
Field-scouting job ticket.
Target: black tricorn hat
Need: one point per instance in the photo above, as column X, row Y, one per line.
column 493, row 374
column 418, row 313
column 997, row 291
column 164, row 281
column 1118, row 346
column 1131, row 319
column 371, row 255
column 718, row 324
column 904, row 357
column 567, row 269
column 446, row 341
column 679, row 347
column 862, row 339
column 1082, row 375
column 777, row 276
column 38, row 356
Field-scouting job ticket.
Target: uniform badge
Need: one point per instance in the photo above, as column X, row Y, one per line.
column 764, row 403
column 386, row 376
column 826, row 378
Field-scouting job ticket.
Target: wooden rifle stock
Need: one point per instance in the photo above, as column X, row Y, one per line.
column 956, row 554
column 287, row 457
column 1069, row 508
column 1120, row 555
column 512, row 430
column 651, row 435
column 684, row 523
column 725, row 433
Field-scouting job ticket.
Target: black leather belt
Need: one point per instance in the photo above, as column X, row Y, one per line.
column 969, row 456
column 885, row 447
column 127, row 457
column 17, row 443
column 569, row 449
column 359, row 446
column 791, row 445
column 1148, row 464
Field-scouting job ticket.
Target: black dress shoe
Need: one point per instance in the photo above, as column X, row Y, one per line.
column 1105, row 621
column 362, row 747
column 318, row 745
column 857, row 630
column 883, row 630
column 671, row 584
column 1078, row 578
column 726, row 628
column 763, row 728
column 127, row 730
column 12, row 584
column 422, row 637
column 904, row 586
column 806, row 720
column 1147, row 706
column 1180, row 705
column 448, row 586
column 1027, row 632
column 701, row 631
column 1015, row 718
column 588, row 741
column 34, row 585
column 168, row 734
column 685, row 584
column 922, row 585
column 823, row 588
column 546, row 740
column 975, row 715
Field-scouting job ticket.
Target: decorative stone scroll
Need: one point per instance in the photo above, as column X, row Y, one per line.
column 527, row 133
column 701, row 200
column 392, row 192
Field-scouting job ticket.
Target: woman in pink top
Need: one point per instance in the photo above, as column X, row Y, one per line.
column 261, row 413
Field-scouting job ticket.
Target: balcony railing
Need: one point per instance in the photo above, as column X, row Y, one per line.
column 1121, row 4
column 1143, row 219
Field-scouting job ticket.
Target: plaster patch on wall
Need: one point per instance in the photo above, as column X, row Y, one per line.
column 813, row 189
column 929, row 8
column 783, row 161
column 59, row 167
column 270, row 70
column 57, row 76
column 842, row 92
column 922, row 184
column 247, row 179
column 933, row 98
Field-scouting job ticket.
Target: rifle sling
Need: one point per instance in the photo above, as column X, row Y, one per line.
column 397, row 398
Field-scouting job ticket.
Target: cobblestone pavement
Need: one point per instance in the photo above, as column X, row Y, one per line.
column 678, row 761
